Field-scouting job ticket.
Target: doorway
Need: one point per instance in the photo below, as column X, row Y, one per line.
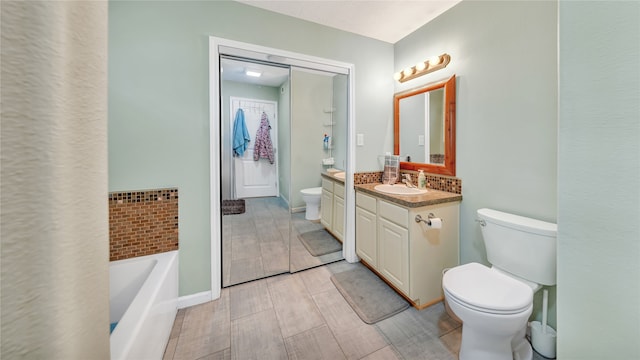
column 255, row 232
column 220, row 187
column 259, row 117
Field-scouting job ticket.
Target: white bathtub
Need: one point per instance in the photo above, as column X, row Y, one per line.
column 143, row 302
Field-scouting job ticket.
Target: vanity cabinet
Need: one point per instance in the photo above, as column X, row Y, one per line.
column 366, row 229
column 409, row 256
column 393, row 244
column 332, row 207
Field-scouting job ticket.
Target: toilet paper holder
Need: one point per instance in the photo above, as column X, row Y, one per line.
column 427, row 221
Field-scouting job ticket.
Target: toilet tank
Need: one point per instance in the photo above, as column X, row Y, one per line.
column 519, row 245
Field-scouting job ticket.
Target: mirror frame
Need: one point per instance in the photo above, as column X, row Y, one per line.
column 449, row 166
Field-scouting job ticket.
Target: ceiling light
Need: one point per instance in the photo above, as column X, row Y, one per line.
column 253, row 73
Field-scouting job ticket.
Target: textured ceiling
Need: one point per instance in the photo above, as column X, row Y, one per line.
column 386, row 20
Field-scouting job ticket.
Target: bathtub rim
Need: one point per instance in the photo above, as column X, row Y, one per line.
column 121, row 342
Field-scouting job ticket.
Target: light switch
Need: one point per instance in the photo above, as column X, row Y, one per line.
column 360, row 139
column 420, row 139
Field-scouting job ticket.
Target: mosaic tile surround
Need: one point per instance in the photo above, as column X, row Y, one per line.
column 434, row 181
column 142, row 223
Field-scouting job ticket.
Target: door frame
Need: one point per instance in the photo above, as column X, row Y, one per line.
column 218, row 46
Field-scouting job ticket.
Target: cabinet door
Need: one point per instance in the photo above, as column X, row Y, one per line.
column 366, row 241
column 393, row 254
column 338, row 217
column 326, row 209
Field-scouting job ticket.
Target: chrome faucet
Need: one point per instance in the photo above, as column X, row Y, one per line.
column 407, row 180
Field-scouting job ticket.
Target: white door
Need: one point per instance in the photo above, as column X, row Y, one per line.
column 255, row 178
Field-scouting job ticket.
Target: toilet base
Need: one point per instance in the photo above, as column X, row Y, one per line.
column 488, row 336
column 312, row 213
column 478, row 347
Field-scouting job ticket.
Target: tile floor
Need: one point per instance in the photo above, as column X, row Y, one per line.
column 303, row 316
column 263, row 241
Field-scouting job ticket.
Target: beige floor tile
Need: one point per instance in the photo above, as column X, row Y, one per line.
column 190, row 348
column 170, row 350
column 246, row 270
column 177, row 324
column 317, row 280
column 337, row 313
column 249, row 298
column 360, row 341
column 220, row 355
column 275, row 257
column 303, row 316
column 205, row 329
column 452, row 340
column 386, row 353
column 295, row 309
column 314, row 344
column 257, row 336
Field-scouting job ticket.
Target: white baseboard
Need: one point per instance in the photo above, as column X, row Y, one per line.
column 194, row 299
column 299, row 209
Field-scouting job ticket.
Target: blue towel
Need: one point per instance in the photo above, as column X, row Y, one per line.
column 241, row 136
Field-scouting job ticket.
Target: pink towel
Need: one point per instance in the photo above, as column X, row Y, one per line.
column 263, row 147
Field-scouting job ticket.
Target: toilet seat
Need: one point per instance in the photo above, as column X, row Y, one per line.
column 312, row 191
column 480, row 288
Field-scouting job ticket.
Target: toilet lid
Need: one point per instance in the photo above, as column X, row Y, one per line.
column 483, row 289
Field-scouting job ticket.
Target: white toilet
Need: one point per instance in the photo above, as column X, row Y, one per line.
column 495, row 303
column 311, row 197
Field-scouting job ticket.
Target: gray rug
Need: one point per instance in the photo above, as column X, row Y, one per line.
column 233, row 207
column 370, row 297
column 319, row 242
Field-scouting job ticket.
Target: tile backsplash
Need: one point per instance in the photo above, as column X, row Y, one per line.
column 142, row 222
column 434, row 181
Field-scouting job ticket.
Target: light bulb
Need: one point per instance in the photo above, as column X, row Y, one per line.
column 397, row 76
column 421, row 66
column 408, row 71
column 433, row 61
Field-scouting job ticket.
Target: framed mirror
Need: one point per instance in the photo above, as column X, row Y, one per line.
column 425, row 127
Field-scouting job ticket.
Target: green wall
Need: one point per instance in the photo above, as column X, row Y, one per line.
column 159, row 100
column 310, row 94
column 599, row 180
column 504, row 57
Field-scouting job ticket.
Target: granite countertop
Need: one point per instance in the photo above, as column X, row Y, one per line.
column 432, row 197
column 330, row 176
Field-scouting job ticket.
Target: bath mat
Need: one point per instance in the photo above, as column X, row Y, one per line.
column 370, row 297
column 232, row 207
column 319, row 242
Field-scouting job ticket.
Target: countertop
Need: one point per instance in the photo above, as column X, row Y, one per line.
column 330, row 176
column 432, row 197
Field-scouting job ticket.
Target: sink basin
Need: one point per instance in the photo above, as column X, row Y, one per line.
column 339, row 175
column 399, row 189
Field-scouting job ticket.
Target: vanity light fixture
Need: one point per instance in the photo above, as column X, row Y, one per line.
column 253, row 73
column 422, row 68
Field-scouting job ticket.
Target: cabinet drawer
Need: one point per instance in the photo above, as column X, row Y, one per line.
column 338, row 189
column 366, row 202
column 327, row 185
column 394, row 213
